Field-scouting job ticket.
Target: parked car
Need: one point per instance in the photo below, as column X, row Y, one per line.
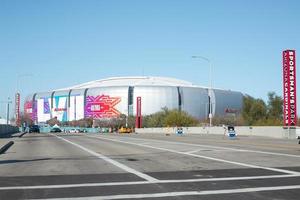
column 55, row 130
column 125, row 130
column 34, row 129
column 74, row 130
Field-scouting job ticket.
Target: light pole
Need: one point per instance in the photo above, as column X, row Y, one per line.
column 7, row 111
column 210, row 87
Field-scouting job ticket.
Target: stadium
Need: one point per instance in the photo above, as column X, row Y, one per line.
column 111, row 97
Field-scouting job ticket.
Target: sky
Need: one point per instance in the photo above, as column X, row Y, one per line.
column 51, row 44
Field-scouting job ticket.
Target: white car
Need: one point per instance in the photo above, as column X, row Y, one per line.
column 74, row 130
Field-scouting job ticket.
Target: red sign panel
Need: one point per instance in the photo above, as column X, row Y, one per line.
column 17, row 108
column 289, row 88
column 138, row 117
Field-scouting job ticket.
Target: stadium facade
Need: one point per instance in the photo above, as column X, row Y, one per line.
column 109, row 98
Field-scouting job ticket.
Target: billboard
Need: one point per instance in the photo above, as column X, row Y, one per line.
column 289, row 88
column 30, row 108
column 101, row 106
column 59, row 109
column 44, row 109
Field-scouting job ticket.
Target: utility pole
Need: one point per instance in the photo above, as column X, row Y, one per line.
column 7, row 111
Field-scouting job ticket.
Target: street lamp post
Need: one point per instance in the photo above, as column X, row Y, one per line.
column 210, row 87
column 7, row 111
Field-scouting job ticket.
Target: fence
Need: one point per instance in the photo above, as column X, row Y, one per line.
column 265, row 131
column 7, row 130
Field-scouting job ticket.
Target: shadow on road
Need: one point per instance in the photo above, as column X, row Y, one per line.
column 20, row 161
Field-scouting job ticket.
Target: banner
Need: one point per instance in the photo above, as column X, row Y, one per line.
column 289, row 88
column 101, row 106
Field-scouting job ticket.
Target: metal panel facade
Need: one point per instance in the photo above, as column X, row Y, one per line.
column 225, row 101
column 195, row 101
column 154, row 98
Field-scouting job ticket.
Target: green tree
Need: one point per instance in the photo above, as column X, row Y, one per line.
column 254, row 110
column 168, row 117
column 258, row 110
column 274, row 106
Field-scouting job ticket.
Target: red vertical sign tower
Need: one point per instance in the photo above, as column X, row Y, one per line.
column 17, row 108
column 138, row 117
column 289, row 88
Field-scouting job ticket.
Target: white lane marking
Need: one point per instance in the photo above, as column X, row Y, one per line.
column 186, row 193
column 200, row 156
column 217, row 147
column 144, row 182
column 194, row 151
column 109, row 160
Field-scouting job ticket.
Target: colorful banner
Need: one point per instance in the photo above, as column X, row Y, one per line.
column 289, row 88
column 59, row 109
column 102, row 106
column 30, row 108
column 43, row 109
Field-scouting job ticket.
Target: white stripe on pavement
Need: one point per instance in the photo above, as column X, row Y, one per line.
column 145, row 182
column 185, row 193
column 218, row 147
column 109, row 160
column 200, row 156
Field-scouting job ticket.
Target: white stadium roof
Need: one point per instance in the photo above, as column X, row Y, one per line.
column 132, row 81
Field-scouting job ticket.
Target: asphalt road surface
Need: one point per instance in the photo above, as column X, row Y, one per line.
column 145, row 166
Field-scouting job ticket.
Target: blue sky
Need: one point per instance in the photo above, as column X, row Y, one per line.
column 62, row 43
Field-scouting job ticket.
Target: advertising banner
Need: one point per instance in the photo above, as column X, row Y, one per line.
column 289, row 88
column 59, row 109
column 44, row 109
column 102, row 106
column 30, row 108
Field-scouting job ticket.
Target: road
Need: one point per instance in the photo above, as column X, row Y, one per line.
column 146, row 166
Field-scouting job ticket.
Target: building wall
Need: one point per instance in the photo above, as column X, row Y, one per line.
column 109, row 102
column 155, row 98
column 226, row 102
column 195, row 101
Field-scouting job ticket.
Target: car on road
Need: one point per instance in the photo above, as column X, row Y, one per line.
column 74, row 130
column 55, row 130
column 125, row 130
column 179, row 131
column 34, row 129
column 231, row 132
